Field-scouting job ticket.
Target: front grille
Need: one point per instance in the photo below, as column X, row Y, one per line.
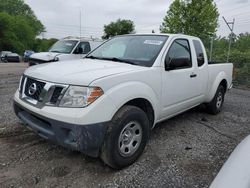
column 38, row 89
column 41, row 93
column 56, row 95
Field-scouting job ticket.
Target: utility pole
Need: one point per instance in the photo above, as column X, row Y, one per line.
column 80, row 24
column 231, row 28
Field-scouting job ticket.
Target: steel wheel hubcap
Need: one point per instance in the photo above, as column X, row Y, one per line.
column 219, row 100
column 130, row 139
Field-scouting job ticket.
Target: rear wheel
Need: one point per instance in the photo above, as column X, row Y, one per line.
column 215, row 106
column 126, row 137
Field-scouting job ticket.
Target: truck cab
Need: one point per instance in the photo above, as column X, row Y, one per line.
column 65, row 49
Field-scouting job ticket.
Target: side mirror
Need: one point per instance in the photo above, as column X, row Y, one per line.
column 177, row 63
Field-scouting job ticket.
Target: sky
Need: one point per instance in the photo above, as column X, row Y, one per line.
column 62, row 17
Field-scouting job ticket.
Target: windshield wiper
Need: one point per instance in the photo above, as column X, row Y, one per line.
column 112, row 59
column 121, row 60
column 55, row 51
column 93, row 57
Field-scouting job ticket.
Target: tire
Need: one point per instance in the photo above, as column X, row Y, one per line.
column 215, row 106
column 126, row 137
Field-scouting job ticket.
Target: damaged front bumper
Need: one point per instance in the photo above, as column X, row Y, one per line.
column 87, row 139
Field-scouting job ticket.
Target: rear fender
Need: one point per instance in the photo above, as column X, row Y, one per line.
column 221, row 76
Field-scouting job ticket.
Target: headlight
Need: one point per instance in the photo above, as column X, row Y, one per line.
column 77, row 97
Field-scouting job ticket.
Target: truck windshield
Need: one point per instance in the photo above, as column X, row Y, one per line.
column 139, row 50
column 63, row 46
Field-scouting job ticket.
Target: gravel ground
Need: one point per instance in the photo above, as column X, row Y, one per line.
column 185, row 151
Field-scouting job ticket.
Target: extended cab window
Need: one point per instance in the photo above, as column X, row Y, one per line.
column 199, row 53
column 179, row 56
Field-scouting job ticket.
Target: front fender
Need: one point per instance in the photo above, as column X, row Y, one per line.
column 125, row 92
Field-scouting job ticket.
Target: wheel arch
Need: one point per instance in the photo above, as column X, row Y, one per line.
column 139, row 95
column 224, row 84
column 219, row 80
column 145, row 106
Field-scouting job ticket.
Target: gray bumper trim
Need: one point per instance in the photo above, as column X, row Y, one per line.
column 87, row 139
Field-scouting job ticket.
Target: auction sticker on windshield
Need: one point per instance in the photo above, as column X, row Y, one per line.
column 153, row 42
column 68, row 44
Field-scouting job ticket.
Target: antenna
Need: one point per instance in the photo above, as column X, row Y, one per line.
column 231, row 28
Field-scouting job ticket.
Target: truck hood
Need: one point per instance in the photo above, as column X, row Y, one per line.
column 78, row 72
column 45, row 56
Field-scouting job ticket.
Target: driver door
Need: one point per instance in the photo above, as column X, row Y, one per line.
column 178, row 79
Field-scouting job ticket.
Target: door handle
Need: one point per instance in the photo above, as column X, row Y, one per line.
column 193, row 75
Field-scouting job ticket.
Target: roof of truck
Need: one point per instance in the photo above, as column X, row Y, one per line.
column 82, row 39
column 166, row 34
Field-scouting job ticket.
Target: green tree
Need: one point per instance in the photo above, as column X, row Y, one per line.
column 242, row 42
column 11, row 36
column 19, row 8
column 191, row 17
column 120, row 27
column 18, row 26
column 43, row 45
column 239, row 56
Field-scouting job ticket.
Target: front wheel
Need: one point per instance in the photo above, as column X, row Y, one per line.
column 126, row 137
column 215, row 106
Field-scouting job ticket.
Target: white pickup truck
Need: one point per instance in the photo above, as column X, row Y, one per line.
column 68, row 48
column 107, row 103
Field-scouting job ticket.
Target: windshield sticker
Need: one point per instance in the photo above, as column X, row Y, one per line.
column 68, row 44
column 153, row 42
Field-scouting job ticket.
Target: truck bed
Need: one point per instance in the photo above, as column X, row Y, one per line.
column 220, row 68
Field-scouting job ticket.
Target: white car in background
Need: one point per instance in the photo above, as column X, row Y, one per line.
column 65, row 49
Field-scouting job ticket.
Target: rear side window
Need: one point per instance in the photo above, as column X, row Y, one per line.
column 199, row 53
column 179, row 56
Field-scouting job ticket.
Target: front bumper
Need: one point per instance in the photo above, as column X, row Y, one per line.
column 87, row 139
